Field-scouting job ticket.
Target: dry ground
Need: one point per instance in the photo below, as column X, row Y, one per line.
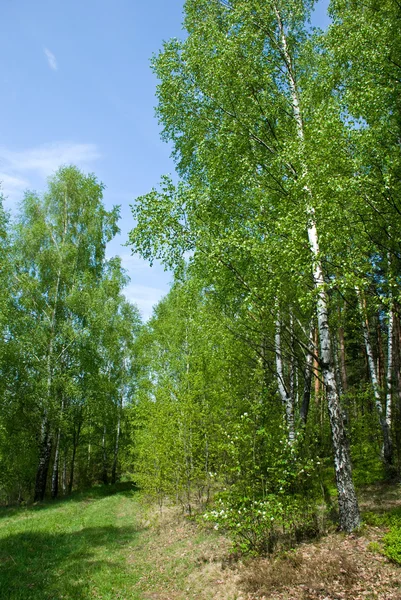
column 191, row 564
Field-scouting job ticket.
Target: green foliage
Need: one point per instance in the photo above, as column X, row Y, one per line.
column 256, row 526
column 66, row 354
column 392, row 544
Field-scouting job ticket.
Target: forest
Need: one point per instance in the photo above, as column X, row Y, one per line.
column 267, row 383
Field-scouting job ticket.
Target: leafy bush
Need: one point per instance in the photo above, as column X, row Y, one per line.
column 392, row 544
column 258, row 525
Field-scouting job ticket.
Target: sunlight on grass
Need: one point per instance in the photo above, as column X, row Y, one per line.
column 73, row 549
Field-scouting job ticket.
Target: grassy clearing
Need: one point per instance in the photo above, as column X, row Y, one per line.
column 72, row 549
column 107, row 545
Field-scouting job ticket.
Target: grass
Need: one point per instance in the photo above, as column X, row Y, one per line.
column 72, row 549
column 107, row 544
column 104, row 545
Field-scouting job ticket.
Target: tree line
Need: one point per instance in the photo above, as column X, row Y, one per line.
column 272, row 368
column 67, row 343
column 278, row 350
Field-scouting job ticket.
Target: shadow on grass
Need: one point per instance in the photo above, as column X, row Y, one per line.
column 53, row 566
column 96, row 492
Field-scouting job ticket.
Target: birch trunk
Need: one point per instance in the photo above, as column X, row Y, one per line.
column 341, row 340
column 285, row 396
column 44, row 461
column 347, row 500
column 116, row 447
column 64, row 473
column 308, row 377
column 74, row 452
column 54, row 491
column 389, row 375
column 105, row 478
column 55, row 474
column 387, row 442
column 46, row 441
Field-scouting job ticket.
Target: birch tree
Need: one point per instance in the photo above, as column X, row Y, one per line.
column 60, row 243
column 232, row 101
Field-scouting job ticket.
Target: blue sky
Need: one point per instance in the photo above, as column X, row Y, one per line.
column 77, row 89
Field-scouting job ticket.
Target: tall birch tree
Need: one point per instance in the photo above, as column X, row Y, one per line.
column 232, row 101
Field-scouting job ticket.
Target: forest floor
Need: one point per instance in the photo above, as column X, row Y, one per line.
column 107, row 545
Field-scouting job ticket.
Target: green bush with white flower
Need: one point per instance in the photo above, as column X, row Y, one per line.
column 257, row 526
column 270, row 486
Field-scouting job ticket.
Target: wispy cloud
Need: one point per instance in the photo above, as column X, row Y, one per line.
column 51, row 59
column 133, row 263
column 19, row 167
column 145, row 297
column 49, row 157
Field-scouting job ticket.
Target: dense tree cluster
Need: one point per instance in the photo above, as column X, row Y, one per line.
column 67, row 342
column 279, row 346
column 273, row 367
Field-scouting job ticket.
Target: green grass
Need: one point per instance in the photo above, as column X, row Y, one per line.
column 105, row 544
column 73, row 549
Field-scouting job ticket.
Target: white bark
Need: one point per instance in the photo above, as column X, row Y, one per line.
column 387, row 442
column 308, row 375
column 389, row 366
column 286, row 398
column 348, row 504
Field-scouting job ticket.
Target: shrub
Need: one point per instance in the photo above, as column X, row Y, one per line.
column 392, row 544
column 257, row 526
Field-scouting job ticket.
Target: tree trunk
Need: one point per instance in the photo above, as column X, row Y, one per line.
column 74, row 451
column 54, row 491
column 389, row 375
column 44, row 461
column 341, row 341
column 285, row 396
column 46, row 442
column 387, row 441
column 308, row 377
column 347, row 500
column 64, row 473
column 55, row 474
column 105, row 478
column 380, row 356
column 114, row 467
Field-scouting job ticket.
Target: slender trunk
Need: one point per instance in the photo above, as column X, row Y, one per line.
column 285, row 396
column 64, row 473
column 316, row 370
column 292, row 361
column 389, row 375
column 118, row 431
column 54, row 491
column 46, row 441
column 308, row 377
column 55, row 474
column 341, row 341
column 397, row 353
column 44, row 461
column 347, row 500
column 105, row 478
column 74, row 452
column 387, row 442
column 380, row 356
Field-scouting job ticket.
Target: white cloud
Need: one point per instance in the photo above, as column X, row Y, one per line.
column 51, row 59
column 134, row 263
column 48, row 158
column 145, row 297
column 19, row 167
column 12, row 187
